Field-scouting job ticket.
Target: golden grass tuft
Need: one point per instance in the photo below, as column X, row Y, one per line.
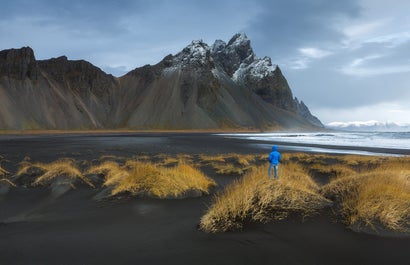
column 332, row 171
column 169, row 161
column 112, row 172
column 59, row 168
column 104, row 168
column 256, row 198
column 229, row 164
column 365, row 162
column 7, row 181
column 378, row 197
column 143, row 178
column 228, row 169
column 210, row 158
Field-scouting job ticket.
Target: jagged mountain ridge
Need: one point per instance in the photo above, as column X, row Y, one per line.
column 223, row 86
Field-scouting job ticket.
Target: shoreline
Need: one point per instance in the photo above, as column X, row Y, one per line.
column 217, row 140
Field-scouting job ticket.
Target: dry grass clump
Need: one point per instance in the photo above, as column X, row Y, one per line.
column 109, row 170
column 306, row 159
column 378, row 197
column 229, row 164
column 7, row 182
column 110, row 158
column 364, row 162
column 214, row 158
column 163, row 182
column 62, row 168
column 143, row 178
column 169, row 161
column 228, row 169
column 105, row 168
column 256, row 198
column 333, row 171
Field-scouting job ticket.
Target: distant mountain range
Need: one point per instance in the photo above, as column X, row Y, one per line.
column 223, row 86
column 370, row 126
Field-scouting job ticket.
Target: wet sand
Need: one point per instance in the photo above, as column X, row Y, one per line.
column 75, row 229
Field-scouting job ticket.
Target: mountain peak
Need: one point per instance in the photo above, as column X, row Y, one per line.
column 230, row 56
column 239, row 39
column 198, row 52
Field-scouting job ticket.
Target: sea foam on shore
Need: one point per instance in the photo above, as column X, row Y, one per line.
column 336, row 142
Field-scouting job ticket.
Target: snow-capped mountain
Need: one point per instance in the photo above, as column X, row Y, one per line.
column 222, row 86
column 371, row 125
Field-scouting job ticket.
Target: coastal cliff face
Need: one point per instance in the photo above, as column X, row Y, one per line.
column 53, row 94
column 223, row 86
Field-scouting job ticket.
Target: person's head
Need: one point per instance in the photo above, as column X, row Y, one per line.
column 274, row 148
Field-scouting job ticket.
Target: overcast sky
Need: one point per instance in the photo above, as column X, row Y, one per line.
column 347, row 60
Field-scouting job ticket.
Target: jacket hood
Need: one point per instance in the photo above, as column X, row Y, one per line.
column 274, row 148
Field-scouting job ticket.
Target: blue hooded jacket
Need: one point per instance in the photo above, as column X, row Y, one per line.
column 274, row 156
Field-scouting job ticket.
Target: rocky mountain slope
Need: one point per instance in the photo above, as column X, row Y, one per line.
column 223, row 86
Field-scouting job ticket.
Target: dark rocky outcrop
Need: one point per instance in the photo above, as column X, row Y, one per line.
column 225, row 86
column 18, row 63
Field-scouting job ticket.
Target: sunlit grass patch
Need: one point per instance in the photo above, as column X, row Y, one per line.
column 256, row 198
column 109, row 157
column 212, row 158
column 105, row 168
column 163, row 182
column 332, row 171
column 363, row 162
column 144, row 178
column 62, row 168
column 228, row 169
column 169, row 161
column 230, row 164
column 306, row 158
column 378, row 197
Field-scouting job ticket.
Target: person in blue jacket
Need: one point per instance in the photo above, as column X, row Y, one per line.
column 274, row 159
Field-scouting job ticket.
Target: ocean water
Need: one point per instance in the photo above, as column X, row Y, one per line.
column 330, row 141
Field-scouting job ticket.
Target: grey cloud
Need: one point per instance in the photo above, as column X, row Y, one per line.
column 286, row 25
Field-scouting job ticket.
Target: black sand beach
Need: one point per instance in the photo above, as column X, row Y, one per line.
column 75, row 229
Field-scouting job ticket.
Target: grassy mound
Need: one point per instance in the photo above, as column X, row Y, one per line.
column 144, row 178
column 256, row 198
column 378, row 197
column 62, row 172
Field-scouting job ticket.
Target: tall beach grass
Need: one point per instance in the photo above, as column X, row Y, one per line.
column 255, row 198
column 376, row 198
column 64, row 169
column 144, row 178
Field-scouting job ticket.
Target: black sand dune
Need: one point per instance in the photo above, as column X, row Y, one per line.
column 75, row 229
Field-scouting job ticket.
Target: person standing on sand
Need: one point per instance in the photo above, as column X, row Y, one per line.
column 274, row 159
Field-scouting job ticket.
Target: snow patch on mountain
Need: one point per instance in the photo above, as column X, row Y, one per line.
column 257, row 70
